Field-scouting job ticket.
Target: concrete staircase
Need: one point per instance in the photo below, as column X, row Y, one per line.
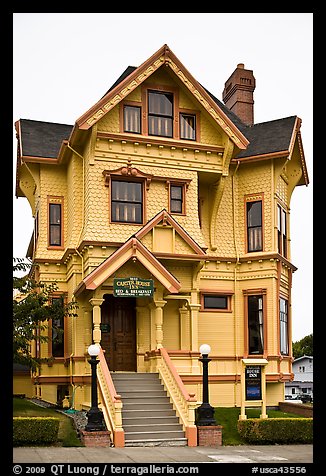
column 148, row 418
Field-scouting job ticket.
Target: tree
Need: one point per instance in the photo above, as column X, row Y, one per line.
column 33, row 307
column 303, row 346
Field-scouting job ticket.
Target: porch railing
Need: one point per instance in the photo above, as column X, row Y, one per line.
column 111, row 403
column 184, row 403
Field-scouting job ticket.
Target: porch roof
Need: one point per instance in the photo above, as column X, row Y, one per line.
column 135, row 250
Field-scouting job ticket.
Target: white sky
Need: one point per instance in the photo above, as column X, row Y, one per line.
column 64, row 62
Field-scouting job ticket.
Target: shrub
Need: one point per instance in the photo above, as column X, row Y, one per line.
column 35, row 430
column 276, row 430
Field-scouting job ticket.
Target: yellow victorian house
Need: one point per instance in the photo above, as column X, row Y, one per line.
column 164, row 212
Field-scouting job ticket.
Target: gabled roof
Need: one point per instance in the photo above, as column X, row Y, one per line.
column 167, row 219
column 163, row 57
column 39, row 139
column 303, row 357
column 132, row 249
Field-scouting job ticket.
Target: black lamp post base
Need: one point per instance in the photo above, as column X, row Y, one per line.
column 205, row 415
column 95, row 420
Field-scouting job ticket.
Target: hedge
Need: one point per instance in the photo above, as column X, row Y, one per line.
column 276, row 430
column 35, row 430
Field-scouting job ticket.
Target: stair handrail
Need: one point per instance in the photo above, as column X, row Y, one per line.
column 111, row 402
column 184, row 402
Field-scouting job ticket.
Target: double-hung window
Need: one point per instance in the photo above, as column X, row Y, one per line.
column 281, row 231
column 254, row 225
column 58, row 328
column 284, row 336
column 255, row 324
column 177, row 198
column 160, row 113
column 126, row 201
column 55, row 222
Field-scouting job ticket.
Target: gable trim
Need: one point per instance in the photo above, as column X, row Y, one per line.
column 168, row 219
column 132, row 249
column 163, row 56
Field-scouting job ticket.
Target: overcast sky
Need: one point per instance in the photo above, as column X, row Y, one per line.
column 64, row 62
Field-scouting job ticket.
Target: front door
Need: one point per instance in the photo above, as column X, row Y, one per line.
column 118, row 325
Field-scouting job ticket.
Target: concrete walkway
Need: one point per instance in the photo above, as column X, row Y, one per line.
column 277, row 454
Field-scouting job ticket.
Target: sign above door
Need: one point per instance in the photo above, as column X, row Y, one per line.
column 133, row 287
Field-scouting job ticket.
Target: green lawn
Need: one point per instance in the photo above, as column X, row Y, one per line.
column 67, row 434
column 228, row 418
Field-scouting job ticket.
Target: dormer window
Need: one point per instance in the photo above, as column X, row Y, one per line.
column 160, row 113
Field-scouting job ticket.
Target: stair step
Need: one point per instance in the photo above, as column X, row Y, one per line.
column 152, row 420
column 141, row 413
column 148, row 417
column 137, row 376
column 157, row 442
column 153, row 428
column 146, row 399
column 145, row 435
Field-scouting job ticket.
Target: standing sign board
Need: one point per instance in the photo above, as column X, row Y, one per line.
column 253, row 382
column 133, row 287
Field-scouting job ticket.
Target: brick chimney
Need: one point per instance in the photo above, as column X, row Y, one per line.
column 238, row 94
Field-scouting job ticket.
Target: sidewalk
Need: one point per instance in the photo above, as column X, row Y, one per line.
column 183, row 454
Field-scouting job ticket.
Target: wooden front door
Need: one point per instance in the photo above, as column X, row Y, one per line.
column 118, row 324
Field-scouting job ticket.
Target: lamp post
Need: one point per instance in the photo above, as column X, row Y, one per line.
column 95, row 420
column 205, row 412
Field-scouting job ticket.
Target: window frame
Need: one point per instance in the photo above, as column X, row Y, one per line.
column 282, row 231
column 182, row 185
column 261, row 292
column 122, row 116
column 55, row 200
column 167, row 117
column 143, row 203
column 285, row 339
column 159, row 88
column 196, row 114
column 225, row 294
column 259, row 197
column 63, row 296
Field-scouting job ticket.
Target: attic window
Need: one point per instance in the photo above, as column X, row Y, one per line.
column 160, row 113
column 187, row 126
column 132, row 119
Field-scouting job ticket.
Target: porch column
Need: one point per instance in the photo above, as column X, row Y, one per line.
column 184, row 332
column 159, row 323
column 194, row 308
column 96, row 303
column 87, row 328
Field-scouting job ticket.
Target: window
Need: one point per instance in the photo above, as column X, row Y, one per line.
column 160, row 113
column 284, row 341
column 255, row 325
column 281, row 231
column 57, row 329
column 126, row 201
column 132, row 119
column 187, row 126
column 254, row 226
column 176, row 198
column 55, row 222
column 215, row 301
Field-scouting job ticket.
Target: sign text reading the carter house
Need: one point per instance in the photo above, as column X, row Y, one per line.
column 133, row 287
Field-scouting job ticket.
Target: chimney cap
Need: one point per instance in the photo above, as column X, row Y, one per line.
column 240, row 66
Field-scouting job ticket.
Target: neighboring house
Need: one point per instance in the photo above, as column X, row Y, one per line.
column 303, row 381
column 163, row 192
